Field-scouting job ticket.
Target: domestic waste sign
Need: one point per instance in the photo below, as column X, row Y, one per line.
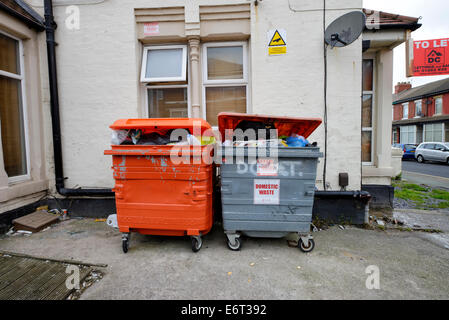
column 266, row 191
column 431, row 57
column 277, row 41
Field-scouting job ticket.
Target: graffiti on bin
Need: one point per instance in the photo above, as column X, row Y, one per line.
column 284, row 169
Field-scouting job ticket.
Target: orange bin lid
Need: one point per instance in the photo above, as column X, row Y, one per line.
column 286, row 126
column 161, row 124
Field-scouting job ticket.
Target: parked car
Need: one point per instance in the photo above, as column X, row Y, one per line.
column 432, row 151
column 409, row 150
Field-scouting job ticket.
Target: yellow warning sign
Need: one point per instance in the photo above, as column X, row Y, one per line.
column 277, row 40
column 277, row 50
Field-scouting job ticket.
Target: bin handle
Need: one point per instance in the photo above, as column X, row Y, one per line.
column 225, row 189
column 118, row 191
column 196, row 190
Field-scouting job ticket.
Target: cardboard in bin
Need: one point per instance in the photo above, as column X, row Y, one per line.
column 286, row 126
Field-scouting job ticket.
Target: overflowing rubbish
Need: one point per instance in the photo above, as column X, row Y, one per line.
column 180, row 201
column 293, row 141
column 264, row 202
column 297, row 141
column 140, row 137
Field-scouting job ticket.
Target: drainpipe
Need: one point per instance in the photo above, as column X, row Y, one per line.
column 50, row 27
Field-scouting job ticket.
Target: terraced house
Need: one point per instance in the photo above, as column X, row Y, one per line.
column 63, row 85
column 421, row 114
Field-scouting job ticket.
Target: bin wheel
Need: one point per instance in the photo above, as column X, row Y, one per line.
column 125, row 245
column 197, row 243
column 237, row 246
column 308, row 248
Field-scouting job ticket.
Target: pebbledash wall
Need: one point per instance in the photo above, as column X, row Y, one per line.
column 99, row 73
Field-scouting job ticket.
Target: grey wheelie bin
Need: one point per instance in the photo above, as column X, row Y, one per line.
column 271, row 195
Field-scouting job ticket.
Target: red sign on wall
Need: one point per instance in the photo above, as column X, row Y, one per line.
column 431, row 57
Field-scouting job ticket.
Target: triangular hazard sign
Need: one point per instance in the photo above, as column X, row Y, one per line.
column 277, row 40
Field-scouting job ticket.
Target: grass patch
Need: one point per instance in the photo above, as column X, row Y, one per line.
column 439, row 194
column 420, row 196
column 415, row 187
column 409, row 194
column 404, row 229
column 441, row 205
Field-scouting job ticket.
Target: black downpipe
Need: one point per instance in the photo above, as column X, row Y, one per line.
column 50, row 27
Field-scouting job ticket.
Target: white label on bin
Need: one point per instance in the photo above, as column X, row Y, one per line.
column 267, row 167
column 266, row 191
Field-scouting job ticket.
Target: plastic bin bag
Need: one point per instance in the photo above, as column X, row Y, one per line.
column 297, row 141
column 118, row 136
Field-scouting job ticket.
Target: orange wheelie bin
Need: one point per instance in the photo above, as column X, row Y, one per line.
column 163, row 189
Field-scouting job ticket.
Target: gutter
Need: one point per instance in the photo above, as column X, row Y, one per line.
column 50, row 27
column 427, row 95
column 412, row 26
column 39, row 26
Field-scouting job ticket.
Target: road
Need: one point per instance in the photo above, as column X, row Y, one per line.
column 433, row 169
column 432, row 174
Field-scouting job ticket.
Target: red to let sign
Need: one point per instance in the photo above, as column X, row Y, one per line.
column 431, row 57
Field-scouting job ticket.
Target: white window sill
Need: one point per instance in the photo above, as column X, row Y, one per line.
column 22, row 189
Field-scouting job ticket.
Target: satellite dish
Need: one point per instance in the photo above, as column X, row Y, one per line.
column 345, row 30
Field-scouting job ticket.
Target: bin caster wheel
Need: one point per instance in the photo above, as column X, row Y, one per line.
column 197, row 243
column 308, row 248
column 236, row 246
column 125, row 246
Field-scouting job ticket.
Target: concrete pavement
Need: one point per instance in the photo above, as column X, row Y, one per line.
column 411, row 267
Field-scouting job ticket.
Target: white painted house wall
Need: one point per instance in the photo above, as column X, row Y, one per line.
column 99, row 65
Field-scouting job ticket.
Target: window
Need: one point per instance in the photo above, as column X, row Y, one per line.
column 439, row 105
column 367, row 110
column 12, row 109
column 395, row 136
column 408, row 134
column 433, row 132
column 225, row 79
column 405, row 111
column 418, row 109
column 167, row 102
column 164, row 63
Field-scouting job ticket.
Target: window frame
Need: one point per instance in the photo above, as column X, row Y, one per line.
column 244, row 45
column 440, row 98
column 426, row 125
column 244, row 82
column 22, row 78
column 373, row 104
column 405, row 115
column 416, row 108
column 174, row 86
column 183, row 76
column 408, row 131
